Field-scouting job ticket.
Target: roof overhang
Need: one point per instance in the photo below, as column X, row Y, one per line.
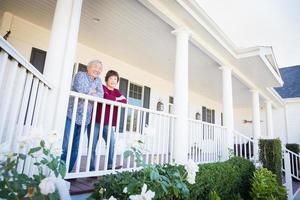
column 256, row 67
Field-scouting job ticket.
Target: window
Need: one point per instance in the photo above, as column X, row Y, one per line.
column 135, row 95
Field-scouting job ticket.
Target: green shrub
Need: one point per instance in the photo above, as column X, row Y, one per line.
column 266, row 187
column 163, row 180
column 223, row 180
column 245, row 169
column 270, row 156
column 213, row 196
column 293, row 147
column 229, row 179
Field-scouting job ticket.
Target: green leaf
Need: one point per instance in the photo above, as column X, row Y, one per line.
column 42, row 143
column 33, row 150
column 128, row 153
column 154, row 175
column 62, row 170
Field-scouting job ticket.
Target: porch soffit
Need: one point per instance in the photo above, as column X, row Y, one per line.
column 210, row 39
column 129, row 31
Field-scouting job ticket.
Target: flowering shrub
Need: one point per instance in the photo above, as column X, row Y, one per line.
column 47, row 172
column 151, row 182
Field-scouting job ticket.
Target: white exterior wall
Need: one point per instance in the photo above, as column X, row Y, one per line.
column 293, row 121
column 241, row 114
column 279, row 123
column 26, row 35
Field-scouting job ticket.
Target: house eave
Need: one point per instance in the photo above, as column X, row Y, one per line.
column 204, row 20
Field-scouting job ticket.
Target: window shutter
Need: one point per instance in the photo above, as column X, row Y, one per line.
column 123, row 87
column 146, row 103
column 37, row 59
column 222, row 119
column 213, row 116
column 204, row 113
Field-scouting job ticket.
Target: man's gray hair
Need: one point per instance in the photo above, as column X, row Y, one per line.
column 95, row 62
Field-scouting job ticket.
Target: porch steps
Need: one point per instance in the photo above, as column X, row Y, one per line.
column 82, row 185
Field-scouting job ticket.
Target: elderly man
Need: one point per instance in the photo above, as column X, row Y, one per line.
column 87, row 83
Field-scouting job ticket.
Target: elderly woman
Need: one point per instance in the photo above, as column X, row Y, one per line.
column 87, row 83
column 113, row 94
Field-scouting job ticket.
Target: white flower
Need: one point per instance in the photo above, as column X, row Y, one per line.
column 56, row 149
column 112, row 198
column 4, row 150
column 101, row 190
column 145, row 195
column 125, row 190
column 23, row 141
column 47, row 186
column 192, row 168
column 191, row 178
column 52, row 138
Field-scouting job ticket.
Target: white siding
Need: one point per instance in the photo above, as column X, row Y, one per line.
column 293, row 122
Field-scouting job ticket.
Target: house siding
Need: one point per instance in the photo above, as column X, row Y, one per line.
column 293, row 122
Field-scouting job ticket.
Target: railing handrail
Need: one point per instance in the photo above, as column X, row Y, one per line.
column 289, row 151
column 207, row 123
column 11, row 51
column 242, row 135
column 114, row 103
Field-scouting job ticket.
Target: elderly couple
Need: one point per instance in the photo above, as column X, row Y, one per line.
column 90, row 83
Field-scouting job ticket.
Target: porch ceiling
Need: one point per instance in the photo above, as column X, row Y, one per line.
column 130, row 32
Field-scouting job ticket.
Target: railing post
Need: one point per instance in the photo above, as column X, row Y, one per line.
column 288, row 175
column 255, row 122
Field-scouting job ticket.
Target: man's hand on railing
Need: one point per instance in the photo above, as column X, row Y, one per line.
column 93, row 92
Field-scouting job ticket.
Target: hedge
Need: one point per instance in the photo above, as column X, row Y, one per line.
column 293, row 147
column 229, row 180
column 270, row 156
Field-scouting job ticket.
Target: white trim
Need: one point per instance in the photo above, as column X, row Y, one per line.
column 292, row 100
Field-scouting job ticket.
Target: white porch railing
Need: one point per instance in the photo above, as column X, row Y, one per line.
column 243, row 146
column 207, row 142
column 154, row 129
column 294, row 163
column 23, row 91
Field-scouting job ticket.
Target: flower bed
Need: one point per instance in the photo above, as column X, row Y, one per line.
column 228, row 180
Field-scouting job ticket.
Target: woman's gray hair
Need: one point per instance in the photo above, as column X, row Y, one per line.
column 95, row 62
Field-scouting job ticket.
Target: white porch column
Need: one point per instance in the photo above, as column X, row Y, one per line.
column 255, row 121
column 270, row 130
column 60, row 59
column 228, row 104
column 181, row 96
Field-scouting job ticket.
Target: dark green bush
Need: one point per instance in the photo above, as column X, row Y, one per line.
column 166, row 174
column 245, row 169
column 270, row 156
column 266, row 187
column 293, row 147
column 229, row 179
